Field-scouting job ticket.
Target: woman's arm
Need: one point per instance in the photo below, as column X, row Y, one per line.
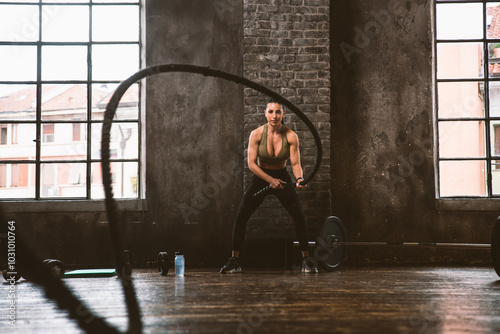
column 293, row 141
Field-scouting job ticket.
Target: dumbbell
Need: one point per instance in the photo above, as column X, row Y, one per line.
column 56, row 267
column 162, row 263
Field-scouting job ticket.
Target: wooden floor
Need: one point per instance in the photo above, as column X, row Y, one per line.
column 352, row 300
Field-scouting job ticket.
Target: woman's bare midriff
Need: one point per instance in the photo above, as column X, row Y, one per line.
column 270, row 166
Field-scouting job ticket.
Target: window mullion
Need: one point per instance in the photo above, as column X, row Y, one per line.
column 38, row 140
column 487, row 134
column 89, row 107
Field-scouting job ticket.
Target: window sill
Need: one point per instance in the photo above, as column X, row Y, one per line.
column 468, row 204
column 71, row 206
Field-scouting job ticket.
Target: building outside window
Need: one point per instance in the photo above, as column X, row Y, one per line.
column 467, row 87
column 61, row 61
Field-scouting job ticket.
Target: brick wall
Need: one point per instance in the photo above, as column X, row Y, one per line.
column 286, row 48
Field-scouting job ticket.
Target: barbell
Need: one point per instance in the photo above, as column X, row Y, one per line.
column 331, row 244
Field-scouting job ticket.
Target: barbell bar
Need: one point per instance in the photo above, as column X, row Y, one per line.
column 331, row 242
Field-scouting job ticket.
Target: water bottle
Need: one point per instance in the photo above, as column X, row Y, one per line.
column 179, row 263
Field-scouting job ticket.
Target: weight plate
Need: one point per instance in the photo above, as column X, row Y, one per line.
column 126, row 271
column 56, row 267
column 495, row 246
column 328, row 251
column 163, row 263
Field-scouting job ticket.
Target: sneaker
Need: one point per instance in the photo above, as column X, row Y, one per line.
column 309, row 265
column 232, row 266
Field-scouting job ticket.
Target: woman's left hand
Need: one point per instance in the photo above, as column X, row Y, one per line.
column 300, row 185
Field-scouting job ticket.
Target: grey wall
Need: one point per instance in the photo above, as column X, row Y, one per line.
column 382, row 139
column 194, row 136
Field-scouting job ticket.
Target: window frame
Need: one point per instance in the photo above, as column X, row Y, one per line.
column 85, row 202
column 490, row 200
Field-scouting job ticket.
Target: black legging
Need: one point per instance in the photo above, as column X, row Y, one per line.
column 287, row 197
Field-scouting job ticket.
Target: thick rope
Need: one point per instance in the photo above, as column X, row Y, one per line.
column 54, row 287
column 112, row 211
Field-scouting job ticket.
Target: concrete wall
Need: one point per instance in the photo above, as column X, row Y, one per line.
column 194, row 154
column 382, row 137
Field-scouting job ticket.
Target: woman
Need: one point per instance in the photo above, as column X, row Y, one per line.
column 269, row 148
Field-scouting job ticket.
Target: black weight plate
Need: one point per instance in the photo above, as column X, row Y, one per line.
column 327, row 252
column 495, row 246
column 163, row 263
column 126, row 271
column 56, row 267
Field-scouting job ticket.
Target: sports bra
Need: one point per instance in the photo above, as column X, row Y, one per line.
column 284, row 154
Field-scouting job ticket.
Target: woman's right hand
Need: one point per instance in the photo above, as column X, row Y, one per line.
column 276, row 183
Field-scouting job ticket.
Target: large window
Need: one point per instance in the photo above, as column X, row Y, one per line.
column 60, row 61
column 467, row 35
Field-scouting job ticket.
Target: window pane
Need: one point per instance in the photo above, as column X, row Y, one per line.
column 494, row 88
column 17, row 63
column 19, row 23
column 64, row 102
column 459, row 60
column 495, row 177
column 65, row 23
column 493, row 20
column 494, row 60
column 460, row 99
column 459, row 21
column 495, row 138
column 63, row 180
column 461, row 139
column 17, row 180
column 64, row 63
column 125, row 23
column 17, row 102
column 462, row 178
column 114, row 62
column 58, row 141
column 17, row 141
column 124, row 180
column 124, row 141
column 128, row 109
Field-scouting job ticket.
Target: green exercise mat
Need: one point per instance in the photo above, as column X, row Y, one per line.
column 90, row 273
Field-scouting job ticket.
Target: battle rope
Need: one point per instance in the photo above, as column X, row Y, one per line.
column 112, row 211
column 54, row 287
